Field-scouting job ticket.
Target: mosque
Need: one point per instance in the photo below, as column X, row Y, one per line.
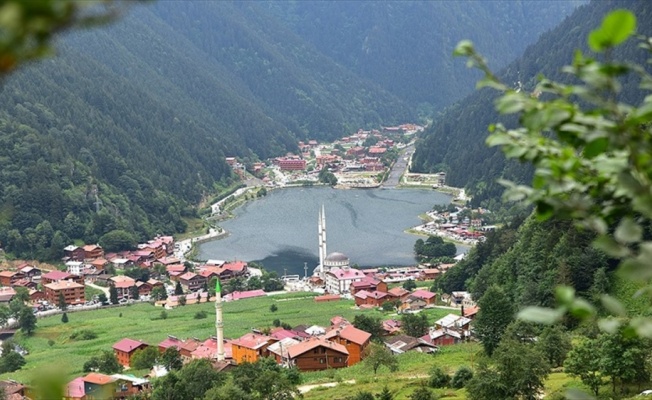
column 334, row 268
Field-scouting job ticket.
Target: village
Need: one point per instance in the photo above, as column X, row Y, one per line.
column 359, row 160
column 158, row 272
column 170, row 283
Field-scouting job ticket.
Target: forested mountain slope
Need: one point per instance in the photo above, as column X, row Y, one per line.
column 406, row 46
column 127, row 128
column 456, row 142
column 139, row 117
column 528, row 260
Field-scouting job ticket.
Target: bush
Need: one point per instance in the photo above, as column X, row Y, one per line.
column 438, row 378
column 83, row 334
column 461, row 377
column 164, row 315
column 200, row 315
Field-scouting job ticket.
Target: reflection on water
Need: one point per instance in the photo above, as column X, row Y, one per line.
column 367, row 225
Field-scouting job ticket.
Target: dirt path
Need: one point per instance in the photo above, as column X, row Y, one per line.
column 307, row 388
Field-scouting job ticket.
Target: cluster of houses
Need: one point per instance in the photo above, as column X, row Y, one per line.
column 453, row 226
column 308, row 348
column 91, row 264
column 352, row 153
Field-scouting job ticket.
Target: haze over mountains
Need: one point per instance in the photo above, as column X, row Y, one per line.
column 140, row 115
column 456, row 141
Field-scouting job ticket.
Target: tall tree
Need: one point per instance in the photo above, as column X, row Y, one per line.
column 178, row 290
column 555, row 344
column 63, row 306
column 377, row 355
column 171, row 359
column 495, row 314
column 113, row 294
column 519, row 372
column 415, row 325
column 27, row 321
column 369, row 324
column 584, row 362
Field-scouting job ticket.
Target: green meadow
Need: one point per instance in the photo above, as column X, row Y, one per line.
column 51, row 345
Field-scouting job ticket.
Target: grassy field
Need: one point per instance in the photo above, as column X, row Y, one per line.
column 51, row 343
column 413, row 372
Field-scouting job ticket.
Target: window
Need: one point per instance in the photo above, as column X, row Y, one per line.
column 323, row 350
column 337, row 359
column 322, row 360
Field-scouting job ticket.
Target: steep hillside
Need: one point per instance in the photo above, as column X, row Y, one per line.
column 528, row 261
column 135, row 120
column 127, row 128
column 456, row 142
column 406, row 46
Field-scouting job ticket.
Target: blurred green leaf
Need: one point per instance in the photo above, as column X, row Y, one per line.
column 541, row 315
column 616, row 27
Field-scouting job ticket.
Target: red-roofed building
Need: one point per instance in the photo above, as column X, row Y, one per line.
column 369, row 284
column 8, row 278
column 75, row 390
column 339, row 280
column 187, row 347
column 208, row 349
column 250, row 347
column 99, row 386
column 375, row 150
column 318, row 354
column 179, row 268
column 192, row 281
column 355, row 340
column 282, row 333
column 93, row 251
column 428, row 296
column 291, row 164
column 391, row 326
column 54, row 276
column 471, row 312
column 238, row 267
column 170, row 341
column 244, row 295
column 73, row 293
column 123, row 285
column 327, row 297
column 374, row 299
column 443, row 337
column 126, row 348
column 398, row 293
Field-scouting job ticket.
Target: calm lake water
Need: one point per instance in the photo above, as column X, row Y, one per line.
column 280, row 230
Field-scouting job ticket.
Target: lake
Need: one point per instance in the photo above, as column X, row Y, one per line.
column 280, row 230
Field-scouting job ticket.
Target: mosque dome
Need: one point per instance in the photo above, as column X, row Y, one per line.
column 336, row 260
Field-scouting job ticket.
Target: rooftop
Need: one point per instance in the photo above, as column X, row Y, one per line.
column 128, row 345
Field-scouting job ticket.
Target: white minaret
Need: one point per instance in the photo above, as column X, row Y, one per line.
column 321, row 254
column 219, row 323
column 322, row 240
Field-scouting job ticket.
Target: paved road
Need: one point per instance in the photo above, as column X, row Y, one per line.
column 399, row 168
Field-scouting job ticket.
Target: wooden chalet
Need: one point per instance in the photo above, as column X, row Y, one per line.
column 318, row 354
column 9, row 278
column 126, row 348
column 250, row 347
column 353, row 339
